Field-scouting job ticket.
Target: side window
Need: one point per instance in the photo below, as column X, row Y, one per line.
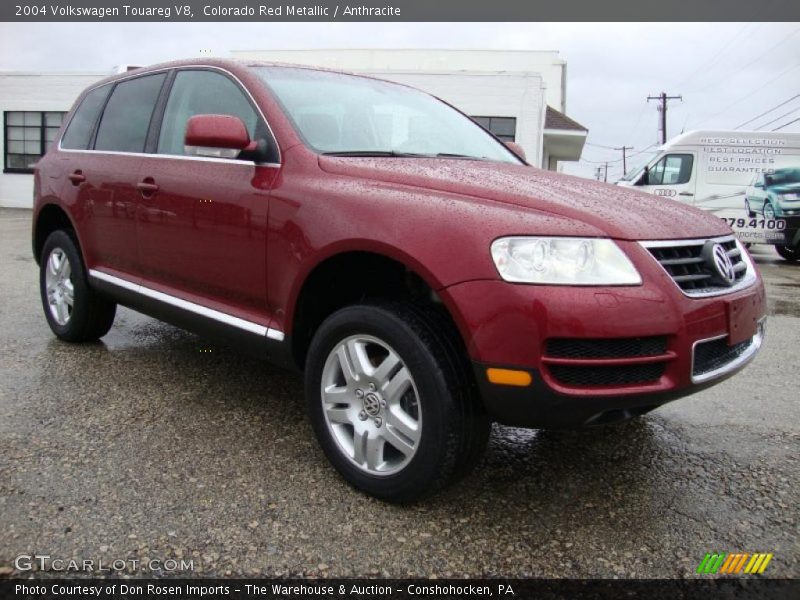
column 123, row 127
column 673, row 169
column 202, row 93
column 79, row 131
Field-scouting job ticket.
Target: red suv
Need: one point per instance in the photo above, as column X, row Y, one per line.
column 426, row 279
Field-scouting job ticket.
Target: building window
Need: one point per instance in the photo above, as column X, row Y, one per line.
column 504, row 128
column 26, row 136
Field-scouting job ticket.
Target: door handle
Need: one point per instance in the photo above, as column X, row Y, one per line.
column 77, row 177
column 147, row 187
column 686, row 194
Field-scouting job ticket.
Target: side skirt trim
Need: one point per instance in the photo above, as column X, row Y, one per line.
column 273, row 334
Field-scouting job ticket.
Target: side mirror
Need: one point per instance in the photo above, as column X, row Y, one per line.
column 516, row 149
column 644, row 177
column 218, row 136
column 759, row 185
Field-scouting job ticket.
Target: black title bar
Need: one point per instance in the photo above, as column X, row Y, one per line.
column 398, row 589
column 399, row 10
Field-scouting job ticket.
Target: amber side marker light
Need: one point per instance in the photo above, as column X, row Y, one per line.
column 509, row 377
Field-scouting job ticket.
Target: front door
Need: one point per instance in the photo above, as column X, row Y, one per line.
column 203, row 221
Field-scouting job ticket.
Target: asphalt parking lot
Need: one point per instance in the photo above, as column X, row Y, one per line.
column 156, row 444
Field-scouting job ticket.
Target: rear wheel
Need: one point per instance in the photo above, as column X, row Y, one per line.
column 392, row 402
column 790, row 253
column 748, row 209
column 74, row 311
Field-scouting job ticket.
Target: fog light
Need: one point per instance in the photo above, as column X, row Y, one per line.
column 509, row 377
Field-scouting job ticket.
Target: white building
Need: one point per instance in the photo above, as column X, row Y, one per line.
column 518, row 95
column 32, row 106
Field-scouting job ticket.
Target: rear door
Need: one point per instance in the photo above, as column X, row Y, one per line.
column 104, row 176
column 202, row 228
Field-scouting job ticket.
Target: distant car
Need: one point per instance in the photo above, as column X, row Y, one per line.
column 774, row 195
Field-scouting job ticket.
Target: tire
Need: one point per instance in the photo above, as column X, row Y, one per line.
column 791, row 254
column 62, row 277
column 769, row 211
column 747, row 208
column 413, row 442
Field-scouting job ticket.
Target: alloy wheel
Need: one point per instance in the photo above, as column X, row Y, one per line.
column 59, row 286
column 371, row 405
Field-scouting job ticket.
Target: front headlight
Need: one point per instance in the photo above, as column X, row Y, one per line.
column 563, row 261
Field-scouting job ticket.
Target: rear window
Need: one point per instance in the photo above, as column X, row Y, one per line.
column 126, row 119
column 79, row 131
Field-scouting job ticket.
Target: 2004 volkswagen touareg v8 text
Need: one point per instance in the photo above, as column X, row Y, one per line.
column 425, row 278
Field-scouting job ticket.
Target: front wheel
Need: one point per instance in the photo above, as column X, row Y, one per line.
column 769, row 211
column 391, row 400
column 74, row 311
column 789, row 253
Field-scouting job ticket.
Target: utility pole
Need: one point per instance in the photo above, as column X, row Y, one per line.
column 624, row 161
column 605, row 174
column 663, row 99
column 598, row 173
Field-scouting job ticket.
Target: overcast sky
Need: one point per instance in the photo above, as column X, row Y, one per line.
column 727, row 73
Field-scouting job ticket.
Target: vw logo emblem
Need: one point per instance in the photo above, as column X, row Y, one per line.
column 722, row 264
column 372, row 405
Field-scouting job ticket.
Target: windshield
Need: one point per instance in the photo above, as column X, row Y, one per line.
column 346, row 114
column 640, row 163
column 783, row 176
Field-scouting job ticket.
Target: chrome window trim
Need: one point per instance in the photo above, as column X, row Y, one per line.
column 749, row 277
column 739, row 361
column 179, row 156
column 204, row 311
column 227, row 161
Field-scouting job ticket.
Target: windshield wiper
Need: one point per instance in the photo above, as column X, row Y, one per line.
column 391, row 153
column 464, row 156
column 396, row 154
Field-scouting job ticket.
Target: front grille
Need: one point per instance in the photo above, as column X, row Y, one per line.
column 715, row 354
column 606, row 348
column 581, row 362
column 578, row 376
column 685, row 263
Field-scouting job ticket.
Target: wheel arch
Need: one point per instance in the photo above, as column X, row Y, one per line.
column 390, row 274
column 49, row 218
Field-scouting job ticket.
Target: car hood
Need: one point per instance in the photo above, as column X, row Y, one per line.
column 620, row 212
column 785, row 188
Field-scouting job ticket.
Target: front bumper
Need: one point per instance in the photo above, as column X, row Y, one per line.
column 701, row 341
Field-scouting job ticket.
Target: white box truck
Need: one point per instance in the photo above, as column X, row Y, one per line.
column 751, row 179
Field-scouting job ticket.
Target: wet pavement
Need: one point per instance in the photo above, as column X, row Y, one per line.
column 155, row 444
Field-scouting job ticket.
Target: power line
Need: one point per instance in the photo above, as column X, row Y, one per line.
column 600, row 162
column 786, row 124
column 600, row 146
column 755, row 90
column 769, row 111
column 704, row 67
column 618, row 160
column 794, row 110
column 740, row 69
